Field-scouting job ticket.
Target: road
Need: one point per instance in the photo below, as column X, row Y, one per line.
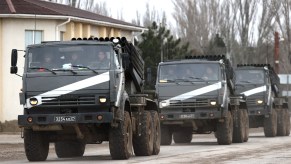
column 203, row 149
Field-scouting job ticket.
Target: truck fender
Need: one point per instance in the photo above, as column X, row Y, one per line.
column 151, row 105
column 118, row 112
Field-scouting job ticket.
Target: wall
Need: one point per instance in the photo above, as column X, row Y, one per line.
column 13, row 32
column 1, row 69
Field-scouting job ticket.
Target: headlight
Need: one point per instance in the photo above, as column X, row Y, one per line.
column 102, row 99
column 163, row 104
column 259, row 101
column 212, row 102
column 33, row 101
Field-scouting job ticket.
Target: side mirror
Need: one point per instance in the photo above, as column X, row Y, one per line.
column 125, row 60
column 13, row 68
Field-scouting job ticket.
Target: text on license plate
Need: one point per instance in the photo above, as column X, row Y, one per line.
column 65, row 118
column 187, row 116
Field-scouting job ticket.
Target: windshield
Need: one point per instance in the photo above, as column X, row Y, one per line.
column 63, row 57
column 249, row 76
column 189, row 72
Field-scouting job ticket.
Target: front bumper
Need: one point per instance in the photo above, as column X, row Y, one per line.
column 175, row 116
column 62, row 119
column 257, row 110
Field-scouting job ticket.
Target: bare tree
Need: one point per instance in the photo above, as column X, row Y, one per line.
column 244, row 25
column 283, row 19
column 137, row 20
column 150, row 16
column 197, row 21
column 265, row 29
column 101, row 8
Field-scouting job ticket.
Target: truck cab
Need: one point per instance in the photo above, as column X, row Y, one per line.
column 86, row 91
column 260, row 84
column 196, row 96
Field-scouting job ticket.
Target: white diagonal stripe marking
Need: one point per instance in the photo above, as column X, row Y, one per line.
column 194, row 93
column 255, row 90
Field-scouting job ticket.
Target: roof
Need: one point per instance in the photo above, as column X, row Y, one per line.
column 76, row 42
column 39, row 7
column 188, row 61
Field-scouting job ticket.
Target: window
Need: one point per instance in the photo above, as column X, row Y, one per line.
column 33, row 37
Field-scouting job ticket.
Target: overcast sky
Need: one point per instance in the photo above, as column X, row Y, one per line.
column 129, row 7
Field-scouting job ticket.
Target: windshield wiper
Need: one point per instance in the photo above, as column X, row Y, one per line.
column 197, row 78
column 80, row 66
column 61, row 69
column 245, row 81
column 184, row 80
column 44, row 69
column 240, row 85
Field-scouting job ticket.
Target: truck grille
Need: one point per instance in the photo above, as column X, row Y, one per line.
column 251, row 102
column 194, row 103
column 69, row 100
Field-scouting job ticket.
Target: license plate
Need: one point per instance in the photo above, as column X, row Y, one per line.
column 65, row 118
column 186, row 116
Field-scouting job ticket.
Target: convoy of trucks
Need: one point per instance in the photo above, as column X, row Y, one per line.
column 90, row 90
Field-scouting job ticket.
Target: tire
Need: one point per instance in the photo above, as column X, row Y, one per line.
column 36, row 145
column 166, row 135
column 183, row 136
column 120, row 139
column 287, row 119
column 67, row 149
column 247, row 125
column 281, row 122
column 270, row 124
column 143, row 143
column 157, row 132
column 238, row 126
column 224, row 130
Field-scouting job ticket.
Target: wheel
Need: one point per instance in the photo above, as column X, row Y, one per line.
column 36, row 145
column 166, row 135
column 67, row 149
column 120, row 139
column 238, row 126
column 247, row 125
column 281, row 122
column 287, row 119
column 143, row 143
column 157, row 132
column 270, row 124
column 183, row 136
column 224, row 130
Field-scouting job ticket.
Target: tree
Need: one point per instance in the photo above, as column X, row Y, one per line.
column 158, row 42
column 216, row 46
column 198, row 21
column 246, row 26
column 283, row 20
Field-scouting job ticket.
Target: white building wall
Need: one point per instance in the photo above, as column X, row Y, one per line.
column 13, row 36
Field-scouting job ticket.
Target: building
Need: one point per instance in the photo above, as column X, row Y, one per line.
column 24, row 22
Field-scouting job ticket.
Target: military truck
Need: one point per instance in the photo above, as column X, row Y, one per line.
column 196, row 95
column 267, row 108
column 86, row 102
